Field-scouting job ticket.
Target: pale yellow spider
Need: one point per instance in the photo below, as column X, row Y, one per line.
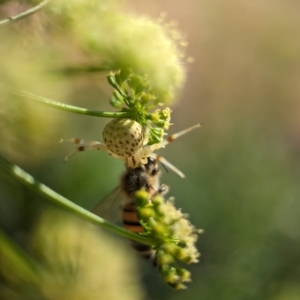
column 133, row 148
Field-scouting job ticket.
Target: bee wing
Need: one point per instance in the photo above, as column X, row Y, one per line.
column 109, row 207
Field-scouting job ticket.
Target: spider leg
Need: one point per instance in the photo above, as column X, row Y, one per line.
column 87, row 145
column 168, row 164
column 175, row 136
column 148, row 150
column 80, row 142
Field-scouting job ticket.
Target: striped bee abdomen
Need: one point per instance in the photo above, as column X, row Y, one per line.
column 130, row 219
column 131, row 223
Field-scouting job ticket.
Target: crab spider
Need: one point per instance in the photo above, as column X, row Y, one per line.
column 140, row 156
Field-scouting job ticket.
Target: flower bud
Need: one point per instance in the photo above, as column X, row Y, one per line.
column 157, row 200
column 145, row 213
column 164, row 259
column 158, row 229
column 184, row 274
column 141, row 198
column 169, row 248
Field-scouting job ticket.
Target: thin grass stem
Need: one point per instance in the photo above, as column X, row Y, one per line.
column 23, row 14
column 26, row 179
column 66, row 107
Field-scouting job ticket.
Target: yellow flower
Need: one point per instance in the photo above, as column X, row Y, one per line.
column 175, row 238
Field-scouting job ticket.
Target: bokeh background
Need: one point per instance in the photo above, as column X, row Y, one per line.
column 242, row 167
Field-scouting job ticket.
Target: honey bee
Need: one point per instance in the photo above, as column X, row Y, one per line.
column 120, row 203
column 123, row 198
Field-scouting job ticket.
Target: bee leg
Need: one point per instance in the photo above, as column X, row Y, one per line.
column 163, row 189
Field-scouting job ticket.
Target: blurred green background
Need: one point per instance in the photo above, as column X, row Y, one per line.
column 242, row 166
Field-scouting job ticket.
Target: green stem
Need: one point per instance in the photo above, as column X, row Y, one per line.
column 58, row 199
column 23, row 14
column 81, row 70
column 16, row 261
column 67, row 107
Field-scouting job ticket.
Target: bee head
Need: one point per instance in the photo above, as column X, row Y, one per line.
column 151, row 166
